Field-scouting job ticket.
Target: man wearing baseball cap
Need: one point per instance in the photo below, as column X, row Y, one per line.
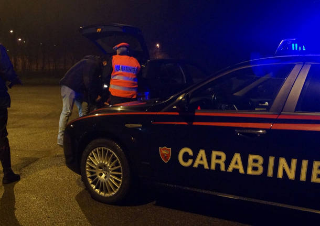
column 123, row 81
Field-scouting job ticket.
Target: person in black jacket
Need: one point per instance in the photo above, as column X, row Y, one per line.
column 81, row 83
column 7, row 74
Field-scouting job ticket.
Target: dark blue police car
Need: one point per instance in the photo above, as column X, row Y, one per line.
column 251, row 132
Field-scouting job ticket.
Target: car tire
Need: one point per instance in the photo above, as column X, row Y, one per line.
column 105, row 171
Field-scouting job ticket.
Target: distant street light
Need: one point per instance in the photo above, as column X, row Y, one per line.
column 11, row 31
column 157, row 51
column 19, row 39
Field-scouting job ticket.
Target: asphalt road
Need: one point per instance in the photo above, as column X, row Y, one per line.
column 50, row 194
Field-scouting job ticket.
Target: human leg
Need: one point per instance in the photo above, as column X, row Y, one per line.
column 5, row 158
column 81, row 105
column 68, row 99
column 8, row 175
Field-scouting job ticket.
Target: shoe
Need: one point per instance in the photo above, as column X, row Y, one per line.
column 10, row 178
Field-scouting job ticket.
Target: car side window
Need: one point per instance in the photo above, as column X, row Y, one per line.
column 170, row 73
column 194, row 73
column 249, row 89
column 309, row 100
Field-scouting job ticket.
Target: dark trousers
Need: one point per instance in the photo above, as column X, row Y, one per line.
column 118, row 100
column 4, row 142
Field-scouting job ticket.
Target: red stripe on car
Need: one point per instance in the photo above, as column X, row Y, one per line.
column 224, row 124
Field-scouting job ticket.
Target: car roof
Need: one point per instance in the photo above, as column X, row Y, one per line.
column 273, row 60
column 281, row 59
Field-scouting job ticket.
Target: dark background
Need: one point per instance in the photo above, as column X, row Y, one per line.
column 214, row 33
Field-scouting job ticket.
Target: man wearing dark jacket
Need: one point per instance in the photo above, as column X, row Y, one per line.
column 80, row 84
column 7, row 73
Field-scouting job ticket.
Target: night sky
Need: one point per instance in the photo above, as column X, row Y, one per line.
column 217, row 33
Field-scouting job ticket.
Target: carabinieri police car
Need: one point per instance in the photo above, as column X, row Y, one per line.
column 251, row 132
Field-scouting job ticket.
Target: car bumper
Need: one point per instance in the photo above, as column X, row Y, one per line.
column 72, row 160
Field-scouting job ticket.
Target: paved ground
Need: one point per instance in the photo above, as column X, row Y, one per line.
column 50, row 194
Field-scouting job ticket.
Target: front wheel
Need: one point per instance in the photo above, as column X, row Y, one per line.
column 105, row 171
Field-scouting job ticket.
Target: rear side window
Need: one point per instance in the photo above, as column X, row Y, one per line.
column 249, row 89
column 309, row 100
column 194, row 73
column 170, row 73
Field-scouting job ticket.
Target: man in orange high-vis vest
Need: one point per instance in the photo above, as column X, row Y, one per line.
column 123, row 81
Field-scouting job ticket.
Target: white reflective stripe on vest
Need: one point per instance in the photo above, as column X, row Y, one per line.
column 123, row 88
column 120, row 77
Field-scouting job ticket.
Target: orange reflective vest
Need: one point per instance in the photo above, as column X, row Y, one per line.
column 124, row 82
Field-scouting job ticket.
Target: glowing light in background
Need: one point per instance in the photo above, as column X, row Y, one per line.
column 296, row 47
column 290, row 46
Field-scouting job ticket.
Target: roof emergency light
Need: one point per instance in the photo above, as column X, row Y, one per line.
column 290, row 46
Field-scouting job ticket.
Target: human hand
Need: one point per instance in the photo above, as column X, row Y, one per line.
column 98, row 98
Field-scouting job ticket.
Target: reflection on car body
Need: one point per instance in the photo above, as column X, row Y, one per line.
column 250, row 132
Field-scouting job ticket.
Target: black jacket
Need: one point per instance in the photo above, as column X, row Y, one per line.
column 84, row 77
column 7, row 73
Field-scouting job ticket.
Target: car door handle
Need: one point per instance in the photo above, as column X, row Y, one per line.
column 133, row 125
column 244, row 132
column 264, row 103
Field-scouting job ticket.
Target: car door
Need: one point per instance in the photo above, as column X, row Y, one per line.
column 221, row 142
column 296, row 144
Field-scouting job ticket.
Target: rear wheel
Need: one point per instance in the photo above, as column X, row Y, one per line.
column 105, row 171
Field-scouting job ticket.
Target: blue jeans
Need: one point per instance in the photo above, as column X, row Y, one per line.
column 69, row 98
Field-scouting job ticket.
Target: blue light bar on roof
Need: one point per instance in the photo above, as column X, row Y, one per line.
column 290, row 46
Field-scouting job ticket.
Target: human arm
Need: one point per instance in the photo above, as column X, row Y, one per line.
column 106, row 73
column 106, row 77
column 92, row 81
column 6, row 68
